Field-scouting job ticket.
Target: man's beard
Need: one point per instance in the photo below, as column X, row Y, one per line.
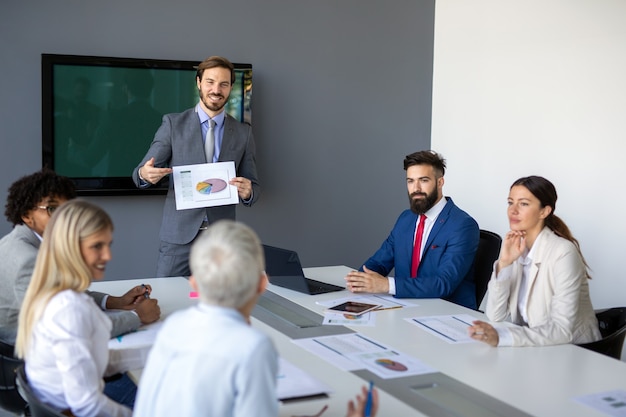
column 214, row 107
column 421, row 206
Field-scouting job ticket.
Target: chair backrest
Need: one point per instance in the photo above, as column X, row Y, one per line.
column 10, row 399
column 487, row 253
column 612, row 324
column 35, row 405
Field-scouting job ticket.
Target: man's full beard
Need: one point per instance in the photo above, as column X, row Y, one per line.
column 421, row 206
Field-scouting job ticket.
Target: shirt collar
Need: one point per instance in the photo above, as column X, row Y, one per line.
column 436, row 209
column 219, row 119
column 213, row 309
column 36, row 234
column 527, row 256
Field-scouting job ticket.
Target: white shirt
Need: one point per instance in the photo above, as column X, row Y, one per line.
column 431, row 216
column 68, row 356
column 208, row 361
column 525, row 260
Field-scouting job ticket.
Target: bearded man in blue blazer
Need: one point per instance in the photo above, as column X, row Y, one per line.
column 181, row 141
column 440, row 262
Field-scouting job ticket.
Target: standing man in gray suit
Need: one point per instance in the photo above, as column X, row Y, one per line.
column 32, row 200
column 181, row 141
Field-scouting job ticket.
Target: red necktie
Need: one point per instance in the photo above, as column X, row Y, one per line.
column 417, row 246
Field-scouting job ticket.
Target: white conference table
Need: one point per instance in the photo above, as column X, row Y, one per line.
column 541, row 381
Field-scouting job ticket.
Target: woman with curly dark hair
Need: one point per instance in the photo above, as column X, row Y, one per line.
column 31, row 201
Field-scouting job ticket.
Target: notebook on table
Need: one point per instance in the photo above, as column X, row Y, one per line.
column 285, row 270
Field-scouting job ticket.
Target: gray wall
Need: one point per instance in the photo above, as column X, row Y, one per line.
column 342, row 91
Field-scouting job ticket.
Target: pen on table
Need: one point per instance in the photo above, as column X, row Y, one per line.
column 387, row 308
column 368, row 403
column 147, row 293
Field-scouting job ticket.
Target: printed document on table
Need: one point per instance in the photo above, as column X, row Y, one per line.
column 451, row 328
column 611, row 403
column 341, row 319
column 294, row 383
column 354, row 351
column 143, row 336
column 335, row 349
column 204, row 185
column 392, row 364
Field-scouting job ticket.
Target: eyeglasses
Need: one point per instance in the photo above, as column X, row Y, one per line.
column 49, row 209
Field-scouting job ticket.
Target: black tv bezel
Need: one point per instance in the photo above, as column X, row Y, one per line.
column 99, row 186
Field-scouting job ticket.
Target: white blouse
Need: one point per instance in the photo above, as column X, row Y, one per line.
column 68, row 356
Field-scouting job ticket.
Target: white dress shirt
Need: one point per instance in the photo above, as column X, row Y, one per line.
column 525, row 260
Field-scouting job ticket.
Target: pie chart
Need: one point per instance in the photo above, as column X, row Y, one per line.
column 391, row 365
column 210, row 186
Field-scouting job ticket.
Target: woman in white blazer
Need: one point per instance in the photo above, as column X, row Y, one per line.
column 539, row 282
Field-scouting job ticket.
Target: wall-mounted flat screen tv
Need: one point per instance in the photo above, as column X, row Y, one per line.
column 99, row 114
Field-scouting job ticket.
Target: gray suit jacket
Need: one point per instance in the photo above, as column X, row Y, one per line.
column 18, row 253
column 179, row 142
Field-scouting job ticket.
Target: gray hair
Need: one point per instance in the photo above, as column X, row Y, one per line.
column 227, row 262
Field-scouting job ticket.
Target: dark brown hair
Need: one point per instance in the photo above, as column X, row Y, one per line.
column 216, row 62
column 545, row 192
column 431, row 158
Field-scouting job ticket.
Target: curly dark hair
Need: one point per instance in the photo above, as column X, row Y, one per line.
column 25, row 193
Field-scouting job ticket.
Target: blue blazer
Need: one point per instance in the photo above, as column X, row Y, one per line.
column 446, row 269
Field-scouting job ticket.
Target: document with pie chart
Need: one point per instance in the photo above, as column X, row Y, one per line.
column 204, row 185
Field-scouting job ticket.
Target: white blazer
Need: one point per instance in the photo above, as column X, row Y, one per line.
column 559, row 308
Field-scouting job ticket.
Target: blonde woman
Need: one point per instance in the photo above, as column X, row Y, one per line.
column 62, row 333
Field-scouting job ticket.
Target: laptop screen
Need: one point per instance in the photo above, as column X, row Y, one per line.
column 281, row 262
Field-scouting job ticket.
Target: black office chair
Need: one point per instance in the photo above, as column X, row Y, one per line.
column 487, row 253
column 612, row 324
column 10, row 399
column 36, row 407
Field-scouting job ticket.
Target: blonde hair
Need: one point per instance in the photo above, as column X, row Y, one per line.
column 60, row 265
column 227, row 262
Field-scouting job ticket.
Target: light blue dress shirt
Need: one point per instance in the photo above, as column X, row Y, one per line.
column 218, row 130
column 208, row 361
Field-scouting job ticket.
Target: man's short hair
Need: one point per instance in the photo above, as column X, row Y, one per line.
column 28, row 191
column 227, row 262
column 216, row 62
column 431, row 158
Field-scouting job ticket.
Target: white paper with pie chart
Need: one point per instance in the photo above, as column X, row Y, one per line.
column 204, row 185
column 210, row 186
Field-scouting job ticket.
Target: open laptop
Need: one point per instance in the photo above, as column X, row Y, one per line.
column 284, row 269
